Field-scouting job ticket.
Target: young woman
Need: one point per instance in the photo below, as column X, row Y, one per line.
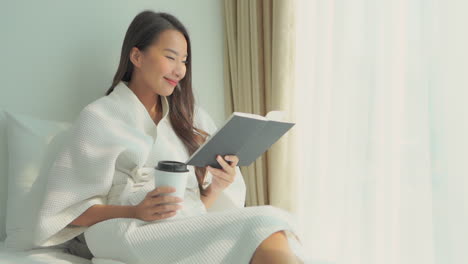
column 100, row 188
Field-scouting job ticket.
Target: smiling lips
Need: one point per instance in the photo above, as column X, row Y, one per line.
column 170, row 81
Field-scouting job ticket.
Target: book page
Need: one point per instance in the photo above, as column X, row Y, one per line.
column 254, row 116
column 279, row 116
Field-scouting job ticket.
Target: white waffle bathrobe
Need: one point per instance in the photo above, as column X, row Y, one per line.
column 111, row 147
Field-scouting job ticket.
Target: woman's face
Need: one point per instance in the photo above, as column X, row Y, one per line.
column 163, row 64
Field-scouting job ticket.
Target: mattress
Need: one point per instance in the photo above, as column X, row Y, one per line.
column 57, row 256
column 39, row 256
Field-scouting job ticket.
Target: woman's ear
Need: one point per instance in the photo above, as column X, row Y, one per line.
column 135, row 57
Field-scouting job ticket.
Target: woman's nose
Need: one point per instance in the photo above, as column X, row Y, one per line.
column 179, row 70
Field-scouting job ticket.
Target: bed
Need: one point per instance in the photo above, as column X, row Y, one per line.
column 27, row 144
column 40, row 256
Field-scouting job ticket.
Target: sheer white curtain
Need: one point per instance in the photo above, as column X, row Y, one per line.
column 382, row 118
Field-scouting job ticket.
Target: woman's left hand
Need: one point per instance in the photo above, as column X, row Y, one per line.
column 222, row 178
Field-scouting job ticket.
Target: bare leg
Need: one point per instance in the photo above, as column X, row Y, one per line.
column 274, row 250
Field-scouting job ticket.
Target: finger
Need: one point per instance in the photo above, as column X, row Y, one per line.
column 233, row 159
column 161, row 199
column 162, row 189
column 164, row 208
column 220, row 174
column 163, row 215
column 215, row 171
column 224, row 164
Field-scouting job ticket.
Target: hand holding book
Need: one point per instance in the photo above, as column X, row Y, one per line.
column 244, row 135
column 222, row 178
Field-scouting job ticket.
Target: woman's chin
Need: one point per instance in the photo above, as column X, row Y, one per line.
column 168, row 91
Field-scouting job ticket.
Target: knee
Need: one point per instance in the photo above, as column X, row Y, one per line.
column 278, row 235
column 277, row 239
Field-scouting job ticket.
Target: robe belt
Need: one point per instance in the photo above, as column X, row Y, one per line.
column 142, row 174
column 140, row 177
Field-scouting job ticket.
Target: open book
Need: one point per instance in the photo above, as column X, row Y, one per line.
column 245, row 135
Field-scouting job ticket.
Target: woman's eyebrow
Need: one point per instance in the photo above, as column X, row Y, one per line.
column 175, row 52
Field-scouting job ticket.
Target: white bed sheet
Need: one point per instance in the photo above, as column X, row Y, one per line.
column 39, row 256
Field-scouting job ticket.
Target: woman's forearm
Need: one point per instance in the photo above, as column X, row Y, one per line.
column 101, row 212
column 210, row 197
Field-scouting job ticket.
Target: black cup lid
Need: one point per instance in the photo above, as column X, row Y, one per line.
column 171, row 166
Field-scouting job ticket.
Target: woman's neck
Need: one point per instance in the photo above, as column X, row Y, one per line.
column 148, row 98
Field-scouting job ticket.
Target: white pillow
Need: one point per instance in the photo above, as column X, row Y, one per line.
column 32, row 147
column 3, row 174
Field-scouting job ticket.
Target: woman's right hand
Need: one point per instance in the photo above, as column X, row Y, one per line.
column 155, row 207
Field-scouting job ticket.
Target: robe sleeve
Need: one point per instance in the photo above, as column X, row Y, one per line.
column 80, row 177
column 234, row 195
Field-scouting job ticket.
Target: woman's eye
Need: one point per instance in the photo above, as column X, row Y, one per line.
column 171, row 58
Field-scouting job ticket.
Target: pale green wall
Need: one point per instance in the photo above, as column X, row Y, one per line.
column 57, row 56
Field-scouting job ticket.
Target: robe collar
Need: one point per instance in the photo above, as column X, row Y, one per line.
column 127, row 96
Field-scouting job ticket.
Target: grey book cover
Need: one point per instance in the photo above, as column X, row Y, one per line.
column 247, row 136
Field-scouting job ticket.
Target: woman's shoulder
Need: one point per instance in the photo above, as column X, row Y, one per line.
column 101, row 110
column 97, row 122
column 104, row 103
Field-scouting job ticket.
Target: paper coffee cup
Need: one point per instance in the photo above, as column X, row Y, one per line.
column 173, row 174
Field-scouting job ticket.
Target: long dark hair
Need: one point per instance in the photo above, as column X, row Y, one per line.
column 142, row 32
